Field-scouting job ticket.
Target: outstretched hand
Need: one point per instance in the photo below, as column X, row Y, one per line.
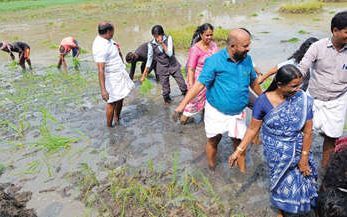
column 176, row 116
column 233, row 158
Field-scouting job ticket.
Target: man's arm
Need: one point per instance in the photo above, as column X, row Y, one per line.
column 101, row 75
column 193, row 92
column 149, row 61
column 256, row 87
column 308, row 59
column 169, row 48
column 132, row 70
column 78, row 51
column 263, row 77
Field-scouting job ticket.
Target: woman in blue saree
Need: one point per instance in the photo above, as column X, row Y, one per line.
column 284, row 113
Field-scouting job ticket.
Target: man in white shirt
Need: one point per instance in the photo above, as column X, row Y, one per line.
column 115, row 83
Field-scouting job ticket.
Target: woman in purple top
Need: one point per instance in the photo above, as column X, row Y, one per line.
column 284, row 113
column 202, row 47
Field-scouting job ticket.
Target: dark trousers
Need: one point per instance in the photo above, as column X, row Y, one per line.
column 165, row 82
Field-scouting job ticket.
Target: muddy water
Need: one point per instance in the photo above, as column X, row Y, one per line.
column 146, row 131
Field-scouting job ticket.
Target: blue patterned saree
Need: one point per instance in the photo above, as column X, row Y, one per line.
column 282, row 139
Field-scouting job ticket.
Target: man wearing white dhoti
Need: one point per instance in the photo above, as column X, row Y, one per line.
column 115, row 83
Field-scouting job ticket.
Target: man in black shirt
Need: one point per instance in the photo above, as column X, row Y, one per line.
column 140, row 55
column 23, row 50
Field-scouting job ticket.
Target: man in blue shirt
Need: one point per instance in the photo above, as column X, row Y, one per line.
column 227, row 76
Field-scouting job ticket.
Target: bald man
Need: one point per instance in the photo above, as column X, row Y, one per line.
column 227, row 76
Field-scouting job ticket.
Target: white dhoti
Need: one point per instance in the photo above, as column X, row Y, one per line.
column 118, row 85
column 219, row 123
column 329, row 116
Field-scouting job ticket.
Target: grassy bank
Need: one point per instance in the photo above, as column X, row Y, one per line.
column 16, row 5
column 300, row 7
column 182, row 37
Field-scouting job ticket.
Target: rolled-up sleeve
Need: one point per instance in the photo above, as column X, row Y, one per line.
column 169, row 46
column 308, row 59
column 149, row 55
column 208, row 73
column 99, row 53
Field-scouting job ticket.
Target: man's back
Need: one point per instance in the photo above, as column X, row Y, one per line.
column 142, row 51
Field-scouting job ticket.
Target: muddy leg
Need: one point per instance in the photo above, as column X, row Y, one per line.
column 22, row 60
column 109, row 113
column 280, row 213
column 29, row 63
column 117, row 110
column 211, row 151
column 328, row 148
column 241, row 161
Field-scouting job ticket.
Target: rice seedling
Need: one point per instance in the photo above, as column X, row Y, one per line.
column 291, row 40
column 303, row 32
column 18, row 129
column 52, row 143
column 2, row 169
column 309, row 6
column 254, row 15
column 146, row 86
column 76, row 62
column 138, row 192
column 33, row 167
column 13, row 65
column 88, row 181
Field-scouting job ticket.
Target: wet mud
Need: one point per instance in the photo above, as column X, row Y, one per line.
column 13, row 202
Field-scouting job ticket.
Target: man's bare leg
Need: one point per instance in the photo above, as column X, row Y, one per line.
column 117, row 110
column 211, row 150
column 241, row 161
column 109, row 113
column 280, row 213
column 29, row 63
column 328, row 148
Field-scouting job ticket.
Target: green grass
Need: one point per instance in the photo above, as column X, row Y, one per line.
column 302, row 7
column 182, row 37
column 17, row 5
